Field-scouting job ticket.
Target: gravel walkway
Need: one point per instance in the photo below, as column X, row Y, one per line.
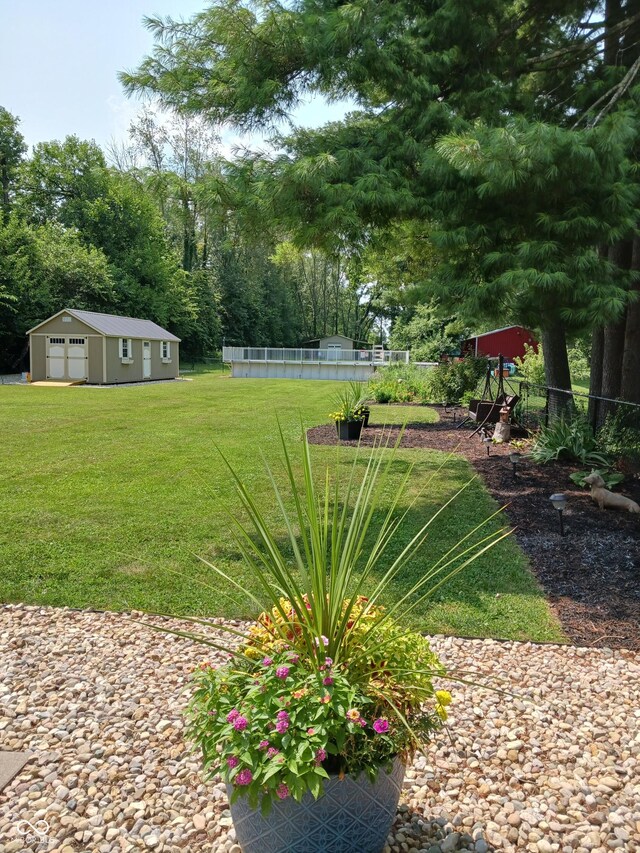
column 98, row 701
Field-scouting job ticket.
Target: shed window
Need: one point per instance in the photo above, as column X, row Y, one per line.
column 125, row 347
column 165, row 349
column 76, row 341
column 57, row 340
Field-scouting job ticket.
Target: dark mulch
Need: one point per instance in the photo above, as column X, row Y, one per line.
column 591, row 576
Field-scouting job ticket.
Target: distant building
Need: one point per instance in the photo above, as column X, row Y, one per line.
column 508, row 342
column 101, row 349
column 340, row 344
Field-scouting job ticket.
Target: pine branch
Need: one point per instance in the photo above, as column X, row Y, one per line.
column 583, row 46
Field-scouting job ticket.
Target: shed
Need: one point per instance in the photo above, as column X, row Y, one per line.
column 508, row 342
column 336, row 343
column 101, row 349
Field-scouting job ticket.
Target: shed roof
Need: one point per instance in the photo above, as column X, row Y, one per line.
column 116, row 327
column 495, row 331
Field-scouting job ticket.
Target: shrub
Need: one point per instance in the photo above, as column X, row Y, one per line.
column 531, row 365
column 620, row 436
column 570, row 439
column 400, row 383
column 450, row 381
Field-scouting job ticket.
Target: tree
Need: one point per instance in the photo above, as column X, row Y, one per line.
column 12, row 149
column 487, row 79
column 45, row 268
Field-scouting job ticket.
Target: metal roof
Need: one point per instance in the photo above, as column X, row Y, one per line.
column 495, row 332
column 117, row 327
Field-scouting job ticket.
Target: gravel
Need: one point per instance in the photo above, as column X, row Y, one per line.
column 552, row 766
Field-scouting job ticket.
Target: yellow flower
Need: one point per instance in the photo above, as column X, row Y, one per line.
column 353, row 714
column 443, row 697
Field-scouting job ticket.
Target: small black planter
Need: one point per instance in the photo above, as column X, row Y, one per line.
column 349, row 430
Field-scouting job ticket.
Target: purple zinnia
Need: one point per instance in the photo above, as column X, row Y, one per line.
column 272, row 751
column 321, row 754
column 282, row 671
column 381, row 725
column 328, row 661
column 232, row 715
column 264, row 744
column 244, row 777
column 267, row 661
column 232, row 762
column 328, row 681
column 240, row 724
column 282, row 726
column 282, row 791
column 294, row 658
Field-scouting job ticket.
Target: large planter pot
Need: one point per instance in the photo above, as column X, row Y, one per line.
column 349, row 430
column 352, row 816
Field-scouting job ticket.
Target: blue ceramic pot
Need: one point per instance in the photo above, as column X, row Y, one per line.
column 352, row 816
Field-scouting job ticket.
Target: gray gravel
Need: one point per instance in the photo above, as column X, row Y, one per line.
column 98, row 702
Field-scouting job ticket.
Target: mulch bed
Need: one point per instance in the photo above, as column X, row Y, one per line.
column 591, row 576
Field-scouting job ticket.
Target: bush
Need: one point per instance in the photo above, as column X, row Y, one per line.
column 531, row 365
column 400, row 383
column 620, row 436
column 452, row 381
column 571, row 440
column 407, row 383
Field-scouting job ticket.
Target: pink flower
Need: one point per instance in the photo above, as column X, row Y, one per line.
column 322, row 639
column 232, row 762
column 232, row 715
column 321, row 754
column 283, row 715
column 325, row 699
column 353, row 714
column 240, row 724
column 282, row 672
column 282, row 726
column 282, row 791
column 264, row 744
column 244, row 777
column 328, row 661
column 362, row 722
column 381, row 725
column 267, row 661
column 294, row 658
column 271, row 752
column 311, row 731
column 328, row 681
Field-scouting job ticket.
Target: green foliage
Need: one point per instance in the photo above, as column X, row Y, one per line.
column 579, row 361
column 619, row 436
column 426, row 333
column 449, row 381
column 611, row 478
column 531, row 365
column 400, row 383
column 12, row 149
column 569, row 439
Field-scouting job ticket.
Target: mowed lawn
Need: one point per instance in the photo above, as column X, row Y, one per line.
column 109, row 495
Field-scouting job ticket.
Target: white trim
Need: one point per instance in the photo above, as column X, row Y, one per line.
column 64, row 311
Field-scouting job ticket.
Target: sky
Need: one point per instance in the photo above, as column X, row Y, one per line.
column 59, row 61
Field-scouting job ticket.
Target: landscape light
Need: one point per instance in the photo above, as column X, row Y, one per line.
column 559, row 502
column 486, row 440
column 515, row 458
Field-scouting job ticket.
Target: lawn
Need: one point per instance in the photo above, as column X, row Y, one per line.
column 109, row 495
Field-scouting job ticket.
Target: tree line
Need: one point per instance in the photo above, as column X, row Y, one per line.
column 157, row 228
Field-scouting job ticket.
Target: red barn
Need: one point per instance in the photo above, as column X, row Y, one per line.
column 509, row 342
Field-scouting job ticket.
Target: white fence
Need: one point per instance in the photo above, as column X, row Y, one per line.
column 337, row 355
column 282, row 363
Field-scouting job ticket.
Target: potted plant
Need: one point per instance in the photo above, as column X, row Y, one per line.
column 326, row 695
column 350, row 412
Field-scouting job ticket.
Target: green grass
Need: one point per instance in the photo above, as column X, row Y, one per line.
column 108, row 495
